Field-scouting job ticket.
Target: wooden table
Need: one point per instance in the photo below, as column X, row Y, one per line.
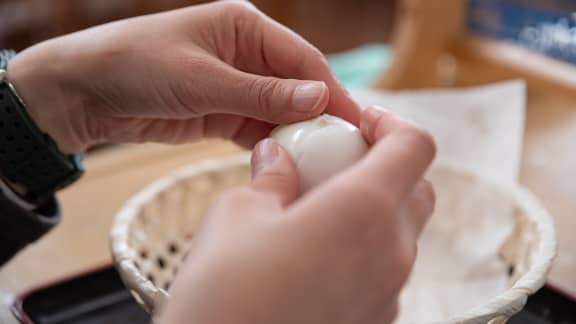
column 549, row 169
column 80, row 242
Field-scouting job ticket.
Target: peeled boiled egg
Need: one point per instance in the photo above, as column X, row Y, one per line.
column 320, row 147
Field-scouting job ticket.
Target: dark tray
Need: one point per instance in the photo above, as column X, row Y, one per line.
column 100, row 297
column 97, row 297
column 549, row 305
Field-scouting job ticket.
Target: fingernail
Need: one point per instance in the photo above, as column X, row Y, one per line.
column 265, row 153
column 308, row 96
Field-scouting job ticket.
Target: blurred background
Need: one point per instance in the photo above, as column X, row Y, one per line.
column 378, row 44
column 332, row 25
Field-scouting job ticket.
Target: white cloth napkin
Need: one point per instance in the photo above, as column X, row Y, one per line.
column 478, row 129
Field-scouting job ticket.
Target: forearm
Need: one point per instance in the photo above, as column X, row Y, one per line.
column 24, row 218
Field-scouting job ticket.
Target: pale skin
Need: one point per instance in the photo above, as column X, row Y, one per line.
column 339, row 254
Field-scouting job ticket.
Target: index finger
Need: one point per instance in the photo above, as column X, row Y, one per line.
column 400, row 154
column 271, row 48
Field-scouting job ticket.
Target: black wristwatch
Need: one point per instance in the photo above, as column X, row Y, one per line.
column 30, row 162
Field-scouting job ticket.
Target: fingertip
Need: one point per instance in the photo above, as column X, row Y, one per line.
column 274, row 171
column 421, row 204
column 377, row 122
column 426, row 196
column 265, row 154
column 343, row 106
column 370, row 119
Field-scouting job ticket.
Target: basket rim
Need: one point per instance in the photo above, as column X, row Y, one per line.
column 513, row 299
column 505, row 304
column 123, row 255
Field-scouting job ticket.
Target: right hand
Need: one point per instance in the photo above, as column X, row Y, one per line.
column 339, row 254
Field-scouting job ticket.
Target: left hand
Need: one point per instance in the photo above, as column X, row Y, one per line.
column 222, row 69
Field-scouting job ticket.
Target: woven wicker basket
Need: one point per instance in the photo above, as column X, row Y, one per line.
column 151, row 233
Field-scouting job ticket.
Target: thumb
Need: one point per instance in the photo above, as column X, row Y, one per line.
column 276, row 100
column 273, row 171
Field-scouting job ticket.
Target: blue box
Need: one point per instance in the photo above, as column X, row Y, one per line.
column 545, row 26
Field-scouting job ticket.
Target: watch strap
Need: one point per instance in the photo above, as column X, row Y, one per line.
column 29, row 158
column 21, row 227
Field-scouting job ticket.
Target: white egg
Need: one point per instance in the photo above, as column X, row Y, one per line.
column 321, row 147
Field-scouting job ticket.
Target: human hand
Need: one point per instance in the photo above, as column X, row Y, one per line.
column 217, row 70
column 339, row 254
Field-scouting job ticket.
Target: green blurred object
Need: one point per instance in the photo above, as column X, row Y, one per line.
column 360, row 67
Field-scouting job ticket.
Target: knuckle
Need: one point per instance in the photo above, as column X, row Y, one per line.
column 264, row 90
column 310, row 57
column 238, row 6
column 184, row 93
column 313, row 57
column 429, row 195
column 421, row 206
column 421, row 139
column 404, row 260
column 318, row 57
column 98, row 130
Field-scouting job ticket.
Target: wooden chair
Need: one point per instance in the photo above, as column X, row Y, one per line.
column 432, row 48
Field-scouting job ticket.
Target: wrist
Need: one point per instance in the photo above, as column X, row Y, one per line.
column 37, row 75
